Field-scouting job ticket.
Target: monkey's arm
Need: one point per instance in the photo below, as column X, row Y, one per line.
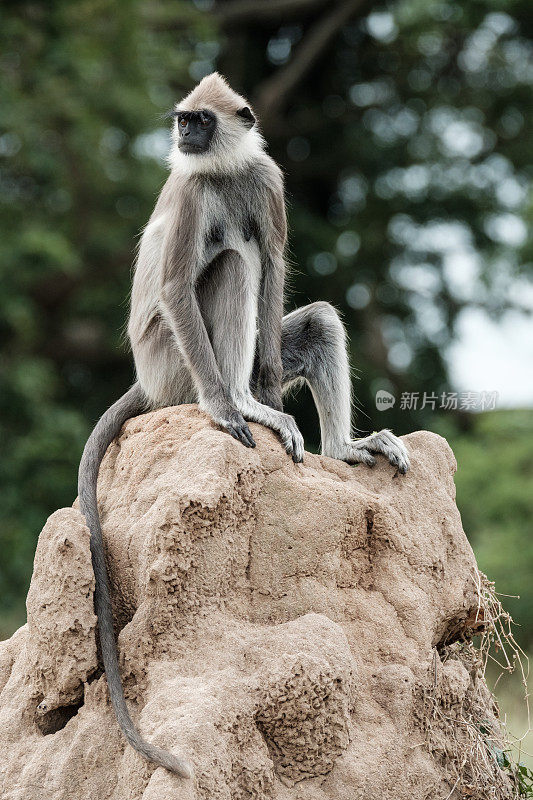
column 179, row 306
column 270, row 309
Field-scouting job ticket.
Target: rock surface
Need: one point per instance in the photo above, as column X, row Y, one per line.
column 281, row 625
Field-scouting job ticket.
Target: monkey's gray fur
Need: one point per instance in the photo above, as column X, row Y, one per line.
column 207, row 324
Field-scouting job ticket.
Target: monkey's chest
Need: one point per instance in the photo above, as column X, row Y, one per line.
column 229, row 225
column 228, row 233
column 237, row 235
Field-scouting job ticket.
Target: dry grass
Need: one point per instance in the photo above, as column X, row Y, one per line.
column 481, row 759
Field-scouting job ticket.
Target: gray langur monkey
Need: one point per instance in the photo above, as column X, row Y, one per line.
column 207, row 324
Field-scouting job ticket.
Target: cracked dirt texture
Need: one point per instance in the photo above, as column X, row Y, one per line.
column 277, row 624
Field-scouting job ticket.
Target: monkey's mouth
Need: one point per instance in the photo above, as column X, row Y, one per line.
column 190, row 148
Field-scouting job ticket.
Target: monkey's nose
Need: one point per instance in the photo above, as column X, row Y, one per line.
column 186, row 132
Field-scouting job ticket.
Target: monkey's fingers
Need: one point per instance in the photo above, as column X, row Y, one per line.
column 286, row 439
column 231, row 430
column 297, row 442
column 247, row 432
column 293, row 442
column 297, row 448
column 238, row 433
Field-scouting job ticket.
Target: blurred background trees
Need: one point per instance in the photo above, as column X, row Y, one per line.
column 404, row 130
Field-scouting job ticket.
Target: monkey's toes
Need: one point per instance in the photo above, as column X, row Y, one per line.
column 386, row 443
column 360, row 455
column 396, row 452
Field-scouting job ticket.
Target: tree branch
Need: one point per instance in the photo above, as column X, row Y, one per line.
column 274, row 93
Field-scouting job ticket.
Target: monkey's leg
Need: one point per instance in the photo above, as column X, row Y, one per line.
column 228, row 300
column 314, row 349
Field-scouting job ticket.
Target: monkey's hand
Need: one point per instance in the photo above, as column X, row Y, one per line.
column 234, row 423
column 290, row 436
column 268, row 390
column 284, row 425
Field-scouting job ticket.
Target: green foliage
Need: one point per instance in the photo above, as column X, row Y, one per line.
column 524, row 780
column 494, row 483
column 521, row 775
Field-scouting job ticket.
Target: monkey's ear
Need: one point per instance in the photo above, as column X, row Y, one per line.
column 247, row 116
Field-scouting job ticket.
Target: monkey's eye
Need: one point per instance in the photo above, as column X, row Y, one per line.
column 183, row 122
column 205, row 121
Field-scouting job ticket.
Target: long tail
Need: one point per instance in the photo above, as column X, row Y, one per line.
column 106, row 429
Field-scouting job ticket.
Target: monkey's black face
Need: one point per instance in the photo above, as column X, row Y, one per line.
column 195, row 129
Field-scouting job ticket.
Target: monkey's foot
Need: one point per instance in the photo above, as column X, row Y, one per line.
column 360, row 451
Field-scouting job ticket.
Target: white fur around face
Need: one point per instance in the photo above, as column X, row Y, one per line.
column 233, row 149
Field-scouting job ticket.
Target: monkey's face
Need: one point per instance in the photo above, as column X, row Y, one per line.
column 212, row 133
column 214, row 129
column 195, row 131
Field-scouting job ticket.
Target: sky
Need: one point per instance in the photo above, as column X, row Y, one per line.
column 494, row 356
